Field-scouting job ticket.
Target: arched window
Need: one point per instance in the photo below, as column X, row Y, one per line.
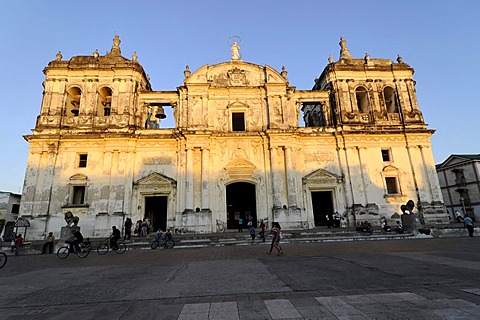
column 104, row 103
column 72, row 106
column 390, row 100
column 363, row 104
column 391, row 181
column 77, row 190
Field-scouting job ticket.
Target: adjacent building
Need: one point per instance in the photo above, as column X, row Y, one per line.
column 9, row 209
column 237, row 150
column 459, row 178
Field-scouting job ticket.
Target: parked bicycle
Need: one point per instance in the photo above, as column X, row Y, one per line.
column 221, row 227
column 119, row 248
column 3, row 259
column 64, row 251
column 162, row 239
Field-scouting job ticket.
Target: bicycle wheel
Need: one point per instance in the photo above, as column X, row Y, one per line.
column 121, row 248
column 102, row 249
column 154, row 244
column 169, row 244
column 83, row 253
column 63, row 252
column 3, row 259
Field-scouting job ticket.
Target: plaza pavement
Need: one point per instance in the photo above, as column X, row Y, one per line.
column 427, row 278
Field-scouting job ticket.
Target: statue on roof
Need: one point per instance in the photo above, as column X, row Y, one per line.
column 116, row 45
column 235, row 51
column 116, row 41
column 344, row 53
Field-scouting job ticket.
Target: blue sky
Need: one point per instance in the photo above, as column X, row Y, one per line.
column 439, row 39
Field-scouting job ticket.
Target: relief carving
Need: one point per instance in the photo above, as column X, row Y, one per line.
column 380, row 115
column 320, row 156
column 222, row 119
column 156, row 161
column 277, row 113
column 240, row 152
column 254, row 119
column 237, row 77
column 220, row 80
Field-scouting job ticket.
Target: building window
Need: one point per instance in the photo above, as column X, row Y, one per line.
column 386, row 155
column 15, row 208
column 104, row 103
column 238, row 121
column 459, row 177
column 78, row 195
column 82, row 160
column 390, row 100
column 73, row 102
column 362, row 100
column 391, row 183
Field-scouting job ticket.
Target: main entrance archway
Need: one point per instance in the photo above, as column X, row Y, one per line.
column 156, row 211
column 322, row 203
column 241, row 203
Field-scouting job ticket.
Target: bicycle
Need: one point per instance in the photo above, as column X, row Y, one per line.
column 103, row 248
column 167, row 242
column 3, row 259
column 64, row 251
column 221, row 226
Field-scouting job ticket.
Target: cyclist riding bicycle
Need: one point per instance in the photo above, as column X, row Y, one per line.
column 168, row 234
column 163, row 236
column 114, row 237
column 75, row 240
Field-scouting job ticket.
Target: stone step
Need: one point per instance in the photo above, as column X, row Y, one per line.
column 232, row 237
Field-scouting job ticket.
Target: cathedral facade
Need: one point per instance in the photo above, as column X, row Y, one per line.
column 237, row 151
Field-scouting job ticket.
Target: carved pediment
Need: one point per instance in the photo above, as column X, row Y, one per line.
column 78, row 177
column 240, row 168
column 389, row 169
column 323, row 176
column 235, row 74
column 155, row 179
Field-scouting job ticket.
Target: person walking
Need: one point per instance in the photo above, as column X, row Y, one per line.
column 240, row 224
column 49, row 241
column 278, row 239
column 18, row 244
column 128, row 229
column 144, row 229
column 262, row 231
column 273, row 233
column 469, row 224
column 13, row 242
column 252, row 232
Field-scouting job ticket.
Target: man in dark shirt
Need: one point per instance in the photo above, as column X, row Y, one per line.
column 114, row 237
column 75, row 240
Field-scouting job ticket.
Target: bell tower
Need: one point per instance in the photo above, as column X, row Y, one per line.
column 93, row 93
column 371, row 92
column 374, row 112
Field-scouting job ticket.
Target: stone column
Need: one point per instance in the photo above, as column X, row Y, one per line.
column 363, row 177
column 426, row 173
column 277, row 201
column 291, row 187
column 205, row 179
column 189, row 181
